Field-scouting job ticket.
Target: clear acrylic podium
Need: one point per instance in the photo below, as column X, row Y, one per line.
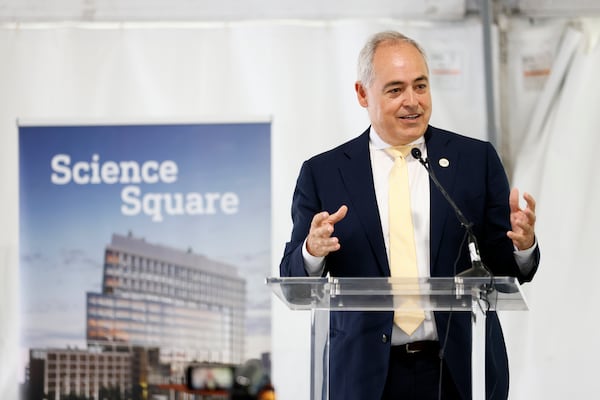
column 322, row 295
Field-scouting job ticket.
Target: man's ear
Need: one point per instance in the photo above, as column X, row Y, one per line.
column 361, row 94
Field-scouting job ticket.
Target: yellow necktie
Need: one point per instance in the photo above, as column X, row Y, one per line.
column 403, row 255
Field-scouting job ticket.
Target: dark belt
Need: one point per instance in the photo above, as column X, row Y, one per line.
column 426, row 346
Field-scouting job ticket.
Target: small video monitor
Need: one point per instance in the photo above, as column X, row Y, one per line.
column 210, row 377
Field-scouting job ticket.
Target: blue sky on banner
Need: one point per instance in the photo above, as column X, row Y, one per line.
column 66, row 224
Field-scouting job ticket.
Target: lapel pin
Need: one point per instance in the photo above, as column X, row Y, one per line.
column 444, row 163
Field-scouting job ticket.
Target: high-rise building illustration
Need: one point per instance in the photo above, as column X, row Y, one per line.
column 188, row 306
column 160, row 309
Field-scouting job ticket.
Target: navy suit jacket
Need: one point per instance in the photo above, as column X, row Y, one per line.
column 359, row 341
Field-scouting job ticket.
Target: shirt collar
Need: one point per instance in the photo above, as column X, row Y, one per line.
column 379, row 144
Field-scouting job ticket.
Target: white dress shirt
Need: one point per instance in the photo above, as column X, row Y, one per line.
column 418, row 180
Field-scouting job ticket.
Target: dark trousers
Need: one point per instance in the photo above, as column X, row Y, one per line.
column 416, row 376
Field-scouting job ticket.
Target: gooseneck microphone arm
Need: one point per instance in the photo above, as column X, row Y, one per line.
column 478, row 269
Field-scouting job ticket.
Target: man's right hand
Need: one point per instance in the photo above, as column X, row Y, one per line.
column 319, row 242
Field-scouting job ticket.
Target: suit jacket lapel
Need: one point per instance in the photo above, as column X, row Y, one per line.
column 443, row 160
column 357, row 176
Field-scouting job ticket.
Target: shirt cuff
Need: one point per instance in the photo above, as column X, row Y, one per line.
column 313, row 265
column 525, row 259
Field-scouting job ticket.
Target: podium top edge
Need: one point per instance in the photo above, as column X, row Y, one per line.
column 474, row 280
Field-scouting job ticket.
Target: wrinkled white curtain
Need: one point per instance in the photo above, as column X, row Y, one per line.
column 300, row 75
column 551, row 347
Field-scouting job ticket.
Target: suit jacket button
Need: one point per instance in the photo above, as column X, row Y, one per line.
column 384, row 338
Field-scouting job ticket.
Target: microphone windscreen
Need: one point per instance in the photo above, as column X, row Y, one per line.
column 416, row 153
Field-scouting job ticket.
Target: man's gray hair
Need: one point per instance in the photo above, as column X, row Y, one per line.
column 365, row 57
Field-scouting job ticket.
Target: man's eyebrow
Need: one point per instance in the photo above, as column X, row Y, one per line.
column 393, row 83
column 422, row 78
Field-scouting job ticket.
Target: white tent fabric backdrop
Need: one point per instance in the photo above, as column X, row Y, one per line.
column 549, row 346
column 300, row 75
column 530, row 54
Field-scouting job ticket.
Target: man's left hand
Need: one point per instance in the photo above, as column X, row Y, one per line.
column 522, row 221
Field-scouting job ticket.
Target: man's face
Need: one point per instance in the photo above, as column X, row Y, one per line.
column 398, row 100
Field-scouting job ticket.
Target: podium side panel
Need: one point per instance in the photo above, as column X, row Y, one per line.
column 319, row 374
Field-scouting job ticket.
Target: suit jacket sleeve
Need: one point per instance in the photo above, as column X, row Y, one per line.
column 304, row 206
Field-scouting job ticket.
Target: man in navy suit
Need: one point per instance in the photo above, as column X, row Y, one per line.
column 341, row 228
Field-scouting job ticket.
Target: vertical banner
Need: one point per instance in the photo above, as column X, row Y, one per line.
column 143, row 248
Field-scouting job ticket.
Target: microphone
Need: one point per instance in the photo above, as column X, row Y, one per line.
column 478, row 269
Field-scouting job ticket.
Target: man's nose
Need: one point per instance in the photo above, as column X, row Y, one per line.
column 411, row 98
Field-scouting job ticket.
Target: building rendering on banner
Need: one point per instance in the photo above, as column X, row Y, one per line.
column 160, row 309
column 188, row 306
